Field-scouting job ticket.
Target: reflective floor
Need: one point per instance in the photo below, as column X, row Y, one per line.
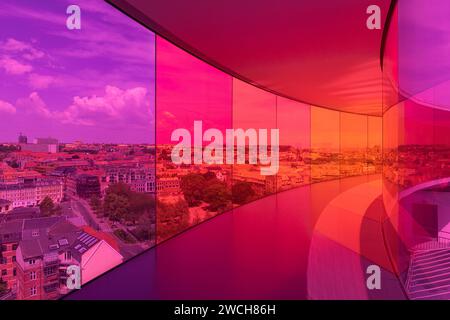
column 299, row 244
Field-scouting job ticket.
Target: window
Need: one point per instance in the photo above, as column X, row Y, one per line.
column 35, row 233
column 63, row 242
column 14, row 247
column 33, row 291
column 32, row 275
column 13, row 259
column 67, row 255
column 4, row 272
column 31, row 261
column 50, row 271
column 14, row 272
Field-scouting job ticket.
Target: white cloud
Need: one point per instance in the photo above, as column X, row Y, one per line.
column 27, row 50
column 38, row 81
column 34, row 105
column 12, row 66
column 116, row 108
column 7, row 107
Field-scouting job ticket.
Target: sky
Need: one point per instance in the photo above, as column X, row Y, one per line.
column 95, row 84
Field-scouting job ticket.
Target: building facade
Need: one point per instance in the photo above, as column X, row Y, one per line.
column 84, row 185
column 31, row 193
column 139, row 179
column 37, row 253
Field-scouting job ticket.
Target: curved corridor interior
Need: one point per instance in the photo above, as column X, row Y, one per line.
column 201, row 149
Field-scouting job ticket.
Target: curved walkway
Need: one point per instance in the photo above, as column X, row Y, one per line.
column 346, row 240
column 257, row 251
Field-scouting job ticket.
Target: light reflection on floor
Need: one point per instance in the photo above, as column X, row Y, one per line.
column 261, row 251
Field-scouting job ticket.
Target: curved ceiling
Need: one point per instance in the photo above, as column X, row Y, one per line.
column 319, row 52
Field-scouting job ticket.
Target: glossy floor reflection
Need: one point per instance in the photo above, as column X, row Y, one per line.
column 347, row 239
column 262, row 251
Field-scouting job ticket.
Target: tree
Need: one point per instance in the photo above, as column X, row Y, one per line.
column 193, row 186
column 122, row 203
column 119, row 189
column 217, row 196
column 47, row 206
column 209, row 175
column 164, row 155
column 116, row 206
column 242, row 192
column 140, row 204
column 172, row 218
column 96, row 205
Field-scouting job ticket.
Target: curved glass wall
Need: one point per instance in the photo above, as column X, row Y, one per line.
column 339, row 177
column 315, row 144
column 159, row 164
column 416, row 149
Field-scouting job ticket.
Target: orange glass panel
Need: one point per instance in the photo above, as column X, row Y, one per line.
column 374, row 144
column 294, row 121
column 325, row 144
column 353, row 133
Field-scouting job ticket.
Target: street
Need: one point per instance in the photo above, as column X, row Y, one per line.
column 81, row 208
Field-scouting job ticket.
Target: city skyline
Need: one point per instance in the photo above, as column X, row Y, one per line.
column 74, row 140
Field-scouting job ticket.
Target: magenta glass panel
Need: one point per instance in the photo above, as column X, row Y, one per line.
column 423, row 57
column 416, row 155
column 415, row 135
column 190, row 91
column 441, row 130
column 390, row 81
column 253, row 109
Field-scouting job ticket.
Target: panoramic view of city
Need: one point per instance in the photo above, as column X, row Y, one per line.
column 62, row 204
column 145, row 162
column 77, row 155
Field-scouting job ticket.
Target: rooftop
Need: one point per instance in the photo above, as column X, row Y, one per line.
column 58, row 236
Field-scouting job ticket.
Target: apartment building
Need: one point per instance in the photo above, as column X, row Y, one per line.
column 140, row 179
column 168, row 186
column 48, row 246
column 25, row 193
column 84, row 185
column 10, row 235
